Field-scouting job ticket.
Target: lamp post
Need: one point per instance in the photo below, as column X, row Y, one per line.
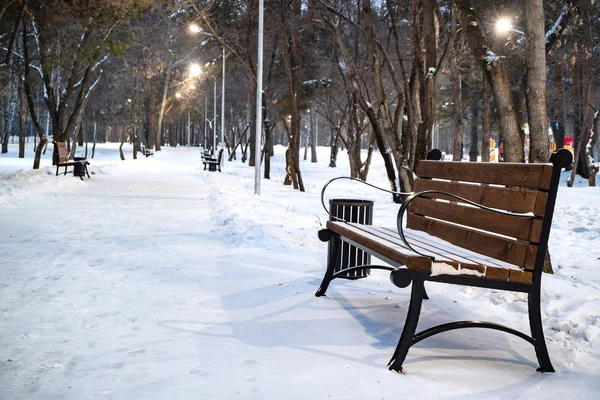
column 196, row 29
column 259, row 84
column 214, row 128
column 223, row 102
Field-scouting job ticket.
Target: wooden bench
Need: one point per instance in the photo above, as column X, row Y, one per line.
column 62, row 155
column 477, row 224
column 213, row 163
column 147, row 152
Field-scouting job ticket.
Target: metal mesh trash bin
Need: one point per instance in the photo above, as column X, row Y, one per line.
column 79, row 168
column 351, row 210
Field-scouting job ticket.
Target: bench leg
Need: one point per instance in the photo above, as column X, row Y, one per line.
column 86, row 172
column 56, row 170
column 410, row 326
column 537, row 331
column 333, row 261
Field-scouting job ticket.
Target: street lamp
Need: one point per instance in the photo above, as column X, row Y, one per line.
column 259, row 88
column 504, row 25
column 195, row 70
column 194, row 28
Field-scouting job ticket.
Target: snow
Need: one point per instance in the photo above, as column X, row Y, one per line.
column 557, row 23
column 491, row 57
column 441, row 268
column 155, row 279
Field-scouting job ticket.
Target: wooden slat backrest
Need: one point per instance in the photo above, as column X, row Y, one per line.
column 510, row 199
column 63, row 152
column 520, row 188
column 536, row 176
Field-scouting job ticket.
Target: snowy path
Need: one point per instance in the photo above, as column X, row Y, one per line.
column 158, row 280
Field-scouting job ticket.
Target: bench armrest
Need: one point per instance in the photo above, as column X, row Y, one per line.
column 357, row 180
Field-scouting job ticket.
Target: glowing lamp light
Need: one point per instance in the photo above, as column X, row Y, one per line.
column 195, row 28
column 195, row 70
column 503, row 25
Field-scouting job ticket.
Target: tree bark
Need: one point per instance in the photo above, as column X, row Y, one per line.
column 486, row 117
column 313, row 136
column 558, row 123
column 536, row 81
column 163, row 105
column 333, row 139
column 473, row 150
column 494, row 70
column 458, row 108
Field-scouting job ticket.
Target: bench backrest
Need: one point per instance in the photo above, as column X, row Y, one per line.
column 63, row 152
column 511, row 187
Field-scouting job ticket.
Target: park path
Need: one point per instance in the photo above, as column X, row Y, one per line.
column 91, row 273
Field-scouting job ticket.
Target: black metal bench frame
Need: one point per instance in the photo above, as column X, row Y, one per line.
column 403, row 277
column 79, row 165
column 213, row 164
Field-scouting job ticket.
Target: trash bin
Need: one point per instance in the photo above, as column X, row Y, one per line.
column 351, row 210
column 79, row 167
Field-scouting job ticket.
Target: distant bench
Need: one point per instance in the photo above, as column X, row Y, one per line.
column 475, row 224
column 79, row 164
column 212, row 163
column 147, row 152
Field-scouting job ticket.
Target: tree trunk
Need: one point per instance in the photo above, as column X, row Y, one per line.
column 94, row 140
column 163, row 104
column 592, row 167
column 536, row 81
column 473, row 151
column 429, row 84
column 313, row 137
column 494, row 70
column 292, row 59
column 333, row 144
column 22, row 124
column 3, row 119
column 458, row 108
column 9, row 113
column 268, row 147
column 486, row 117
column 123, row 138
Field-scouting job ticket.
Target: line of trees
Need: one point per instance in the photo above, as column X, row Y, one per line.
column 397, row 76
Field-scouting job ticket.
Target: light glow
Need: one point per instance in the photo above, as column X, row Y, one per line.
column 195, row 28
column 503, row 25
column 195, row 70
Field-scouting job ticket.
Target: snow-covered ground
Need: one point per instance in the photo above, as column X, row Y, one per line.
column 155, row 279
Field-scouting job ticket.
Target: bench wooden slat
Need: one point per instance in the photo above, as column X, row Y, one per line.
column 453, row 255
column 389, row 240
column 433, row 244
column 384, row 248
column 508, row 174
column 522, row 228
column 508, row 199
column 510, row 251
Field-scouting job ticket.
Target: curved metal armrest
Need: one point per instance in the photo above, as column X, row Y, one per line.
column 409, row 199
column 358, row 180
